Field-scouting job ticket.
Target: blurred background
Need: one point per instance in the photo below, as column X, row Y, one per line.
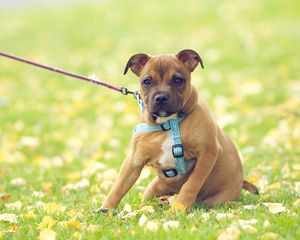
column 251, row 82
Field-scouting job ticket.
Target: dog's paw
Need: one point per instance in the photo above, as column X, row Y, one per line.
column 104, row 211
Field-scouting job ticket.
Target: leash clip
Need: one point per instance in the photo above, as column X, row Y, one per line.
column 124, row 90
column 177, row 151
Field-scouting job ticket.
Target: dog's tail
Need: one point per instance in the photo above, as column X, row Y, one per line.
column 250, row 187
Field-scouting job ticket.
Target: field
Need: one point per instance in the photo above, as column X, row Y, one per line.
column 62, row 141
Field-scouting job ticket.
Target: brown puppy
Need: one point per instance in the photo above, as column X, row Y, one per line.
column 214, row 171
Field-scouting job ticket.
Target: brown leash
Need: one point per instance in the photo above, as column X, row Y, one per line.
column 122, row 90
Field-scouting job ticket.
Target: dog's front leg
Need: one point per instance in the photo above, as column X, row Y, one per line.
column 188, row 192
column 128, row 174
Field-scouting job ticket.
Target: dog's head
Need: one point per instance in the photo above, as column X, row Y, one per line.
column 165, row 80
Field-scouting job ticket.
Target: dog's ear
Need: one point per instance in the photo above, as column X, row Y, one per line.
column 136, row 63
column 190, row 59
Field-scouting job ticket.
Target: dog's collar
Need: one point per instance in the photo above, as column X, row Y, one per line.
column 177, row 147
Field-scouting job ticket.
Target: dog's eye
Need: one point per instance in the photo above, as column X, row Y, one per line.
column 178, row 80
column 147, row 82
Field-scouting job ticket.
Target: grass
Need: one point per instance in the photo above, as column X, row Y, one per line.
column 56, row 131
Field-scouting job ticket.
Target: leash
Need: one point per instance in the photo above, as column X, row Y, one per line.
column 92, row 80
column 172, row 124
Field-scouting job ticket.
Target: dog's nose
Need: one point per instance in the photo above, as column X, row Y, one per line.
column 161, row 98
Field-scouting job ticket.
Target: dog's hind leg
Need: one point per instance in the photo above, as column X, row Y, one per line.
column 156, row 188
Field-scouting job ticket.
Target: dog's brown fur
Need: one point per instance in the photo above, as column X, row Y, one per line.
column 215, row 175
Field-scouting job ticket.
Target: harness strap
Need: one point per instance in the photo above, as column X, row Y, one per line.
column 177, row 148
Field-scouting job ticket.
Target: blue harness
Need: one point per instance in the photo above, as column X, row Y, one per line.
column 177, row 148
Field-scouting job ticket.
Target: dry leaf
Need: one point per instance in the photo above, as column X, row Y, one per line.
column 171, row 224
column 271, row 235
column 221, row 216
column 13, row 229
column 266, row 223
column 47, row 234
column 74, row 223
column 29, row 214
column 14, row 206
column 47, row 222
column 76, row 235
column 18, row 181
column 176, row 208
column 250, row 207
column 54, row 208
column 247, row 222
column 205, row 216
column 127, row 208
column 297, row 203
column 152, row 226
column 8, row 217
column 276, row 208
column 92, row 228
column 5, row 197
column 143, row 220
column 230, row 233
column 146, row 209
column 128, row 215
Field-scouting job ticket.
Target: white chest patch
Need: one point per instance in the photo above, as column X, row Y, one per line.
column 167, row 160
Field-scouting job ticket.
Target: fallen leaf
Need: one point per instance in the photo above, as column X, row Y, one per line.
column 297, row 203
column 127, row 208
column 147, row 209
column 276, row 208
column 29, row 141
column 47, row 187
column 18, row 181
column 152, row 226
column 74, row 223
column 128, row 215
column 13, row 229
column 92, row 228
column 5, row 198
column 47, row 234
column 170, row 224
column 76, row 235
column 176, row 207
column 249, row 228
column 29, row 214
column 54, row 208
column 266, row 223
column 8, row 217
column 247, row 222
column 205, row 216
column 143, row 220
column 47, row 222
column 270, row 235
column 250, row 207
column 230, row 233
column 14, row 206
column 221, row 216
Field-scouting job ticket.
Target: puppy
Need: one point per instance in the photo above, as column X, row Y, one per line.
column 211, row 172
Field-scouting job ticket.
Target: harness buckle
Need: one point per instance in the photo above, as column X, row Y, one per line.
column 177, row 151
column 169, row 173
column 165, row 126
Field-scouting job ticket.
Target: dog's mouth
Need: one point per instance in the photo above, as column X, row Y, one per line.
column 163, row 113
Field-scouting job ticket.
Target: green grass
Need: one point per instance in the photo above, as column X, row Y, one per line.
column 250, row 81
